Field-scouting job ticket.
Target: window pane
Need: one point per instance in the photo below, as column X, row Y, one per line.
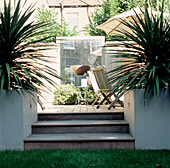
column 73, row 20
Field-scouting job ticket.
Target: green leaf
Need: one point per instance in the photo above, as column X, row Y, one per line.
column 8, row 73
column 157, row 84
column 2, row 81
column 26, row 72
column 19, row 61
column 147, row 44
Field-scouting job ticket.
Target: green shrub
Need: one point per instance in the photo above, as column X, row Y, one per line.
column 45, row 15
column 66, row 94
column 90, row 94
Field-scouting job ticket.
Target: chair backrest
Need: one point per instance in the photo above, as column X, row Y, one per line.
column 101, row 79
column 93, row 81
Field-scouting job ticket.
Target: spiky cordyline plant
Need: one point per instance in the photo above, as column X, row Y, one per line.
column 145, row 56
column 22, row 67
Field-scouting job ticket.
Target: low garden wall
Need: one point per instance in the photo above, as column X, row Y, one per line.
column 149, row 122
column 17, row 114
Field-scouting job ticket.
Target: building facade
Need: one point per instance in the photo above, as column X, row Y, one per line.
column 75, row 12
column 38, row 3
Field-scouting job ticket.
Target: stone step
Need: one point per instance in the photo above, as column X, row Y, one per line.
column 80, row 141
column 81, row 116
column 80, row 126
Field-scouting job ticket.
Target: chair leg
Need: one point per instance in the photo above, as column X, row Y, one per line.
column 119, row 101
column 116, row 100
column 100, row 103
column 96, row 100
column 112, row 104
column 106, row 97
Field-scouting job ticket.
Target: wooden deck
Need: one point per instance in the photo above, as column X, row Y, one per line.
column 79, row 108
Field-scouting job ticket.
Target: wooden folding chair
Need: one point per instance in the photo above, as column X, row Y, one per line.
column 95, row 86
column 104, row 88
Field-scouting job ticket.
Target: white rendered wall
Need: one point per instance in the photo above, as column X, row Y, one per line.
column 17, row 114
column 54, row 62
column 149, row 124
column 30, row 113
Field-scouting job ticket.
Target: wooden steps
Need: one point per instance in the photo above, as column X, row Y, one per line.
column 80, row 141
column 80, row 126
column 84, row 130
column 81, row 116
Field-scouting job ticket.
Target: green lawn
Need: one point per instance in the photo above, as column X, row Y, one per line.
column 85, row 158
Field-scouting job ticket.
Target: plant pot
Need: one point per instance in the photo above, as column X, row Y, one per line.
column 149, row 122
column 80, row 69
column 17, row 114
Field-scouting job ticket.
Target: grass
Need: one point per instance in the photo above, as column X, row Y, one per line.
column 85, row 159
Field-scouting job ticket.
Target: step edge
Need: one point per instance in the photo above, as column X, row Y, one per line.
column 81, row 113
column 77, row 125
column 80, row 140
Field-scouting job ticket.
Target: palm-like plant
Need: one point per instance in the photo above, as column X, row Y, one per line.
column 22, row 67
column 145, row 54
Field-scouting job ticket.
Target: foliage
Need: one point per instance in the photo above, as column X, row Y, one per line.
column 66, row 94
column 108, row 9
column 21, row 66
column 111, row 8
column 120, row 6
column 90, row 94
column 99, row 16
column 108, row 158
column 45, row 15
column 145, row 54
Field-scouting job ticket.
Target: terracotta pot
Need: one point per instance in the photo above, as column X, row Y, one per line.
column 80, row 69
